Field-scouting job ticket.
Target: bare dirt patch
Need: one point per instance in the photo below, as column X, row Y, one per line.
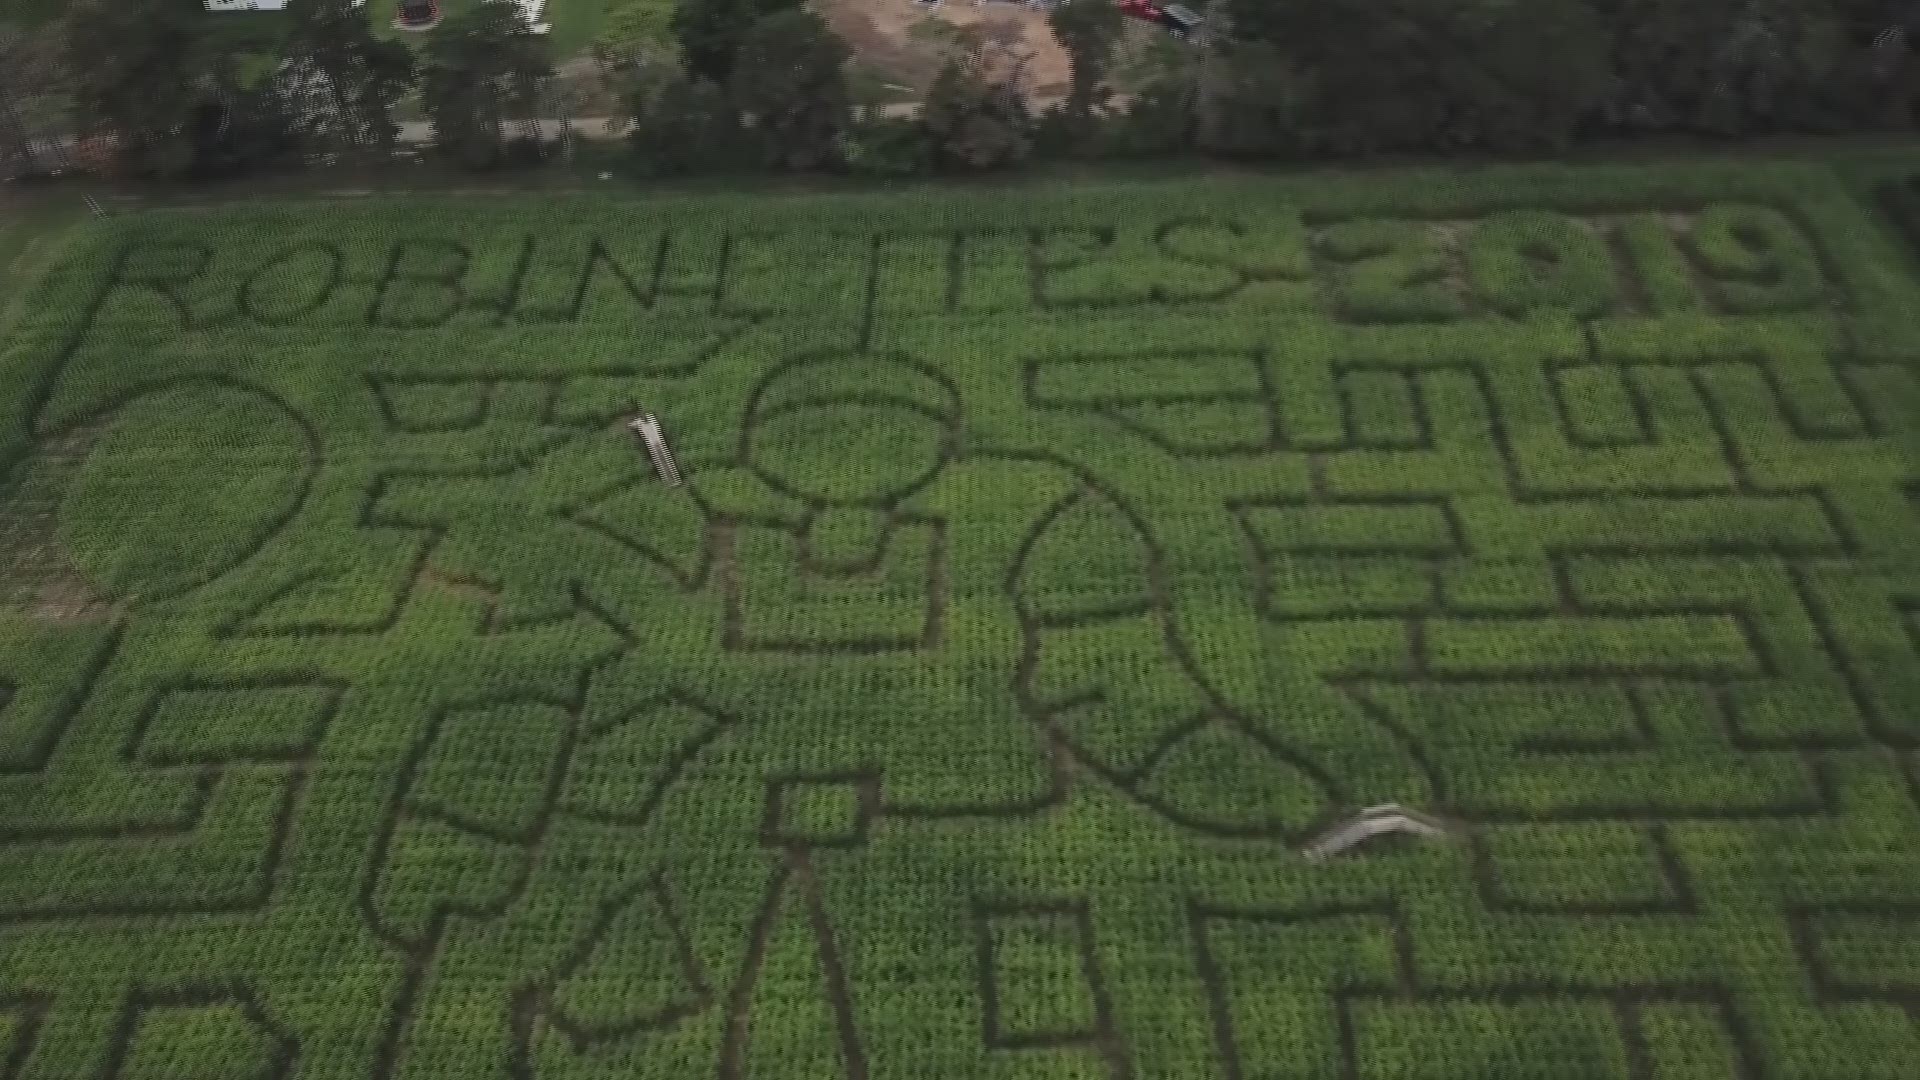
column 882, row 35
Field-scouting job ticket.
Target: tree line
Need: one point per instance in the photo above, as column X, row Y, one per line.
column 161, row 88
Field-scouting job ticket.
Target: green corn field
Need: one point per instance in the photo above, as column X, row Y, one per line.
column 1051, row 567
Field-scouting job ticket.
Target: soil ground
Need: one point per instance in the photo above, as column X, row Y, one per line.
column 882, row 34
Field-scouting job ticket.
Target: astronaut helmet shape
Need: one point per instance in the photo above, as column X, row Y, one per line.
column 857, row 429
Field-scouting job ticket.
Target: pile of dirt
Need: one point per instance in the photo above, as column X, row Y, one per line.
column 883, row 35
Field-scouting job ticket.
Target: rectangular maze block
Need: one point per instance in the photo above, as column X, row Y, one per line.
column 778, row 603
column 1039, row 976
column 1690, row 1041
column 1677, row 644
column 1577, row 867
column 1468, row 1039
column 1600, row 404
column 216, row 724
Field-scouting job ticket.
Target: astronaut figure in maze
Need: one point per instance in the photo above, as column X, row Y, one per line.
column 884, row 620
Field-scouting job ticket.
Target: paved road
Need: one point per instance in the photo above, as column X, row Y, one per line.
column 601, row 127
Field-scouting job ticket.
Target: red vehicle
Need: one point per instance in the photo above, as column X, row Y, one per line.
column 1177, row 18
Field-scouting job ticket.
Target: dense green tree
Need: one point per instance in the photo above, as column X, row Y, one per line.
column 177, row 92
column 1164, row 81
column 144, row 71
column 250, row 125
column 1539, row 76
column 711, row 32
column 1368, row 75
column 791, row 86
column 1881, row 83
column 1726, row 67
column 685, row 124
column 32, row 59
column 484, row 66
column 1088, row 30
column 882, row 145
column 973, row 123
column 355, row 77
column 1249, row 103
column 33, row 93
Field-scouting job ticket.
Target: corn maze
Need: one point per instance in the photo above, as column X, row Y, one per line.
column 1049, row 570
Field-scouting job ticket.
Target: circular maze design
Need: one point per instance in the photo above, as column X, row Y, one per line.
column 186, row 483
column 1049, row 574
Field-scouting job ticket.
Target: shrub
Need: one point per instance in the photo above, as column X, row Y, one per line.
column 888, row 146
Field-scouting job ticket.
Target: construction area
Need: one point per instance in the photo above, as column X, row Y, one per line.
column 905, row 41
